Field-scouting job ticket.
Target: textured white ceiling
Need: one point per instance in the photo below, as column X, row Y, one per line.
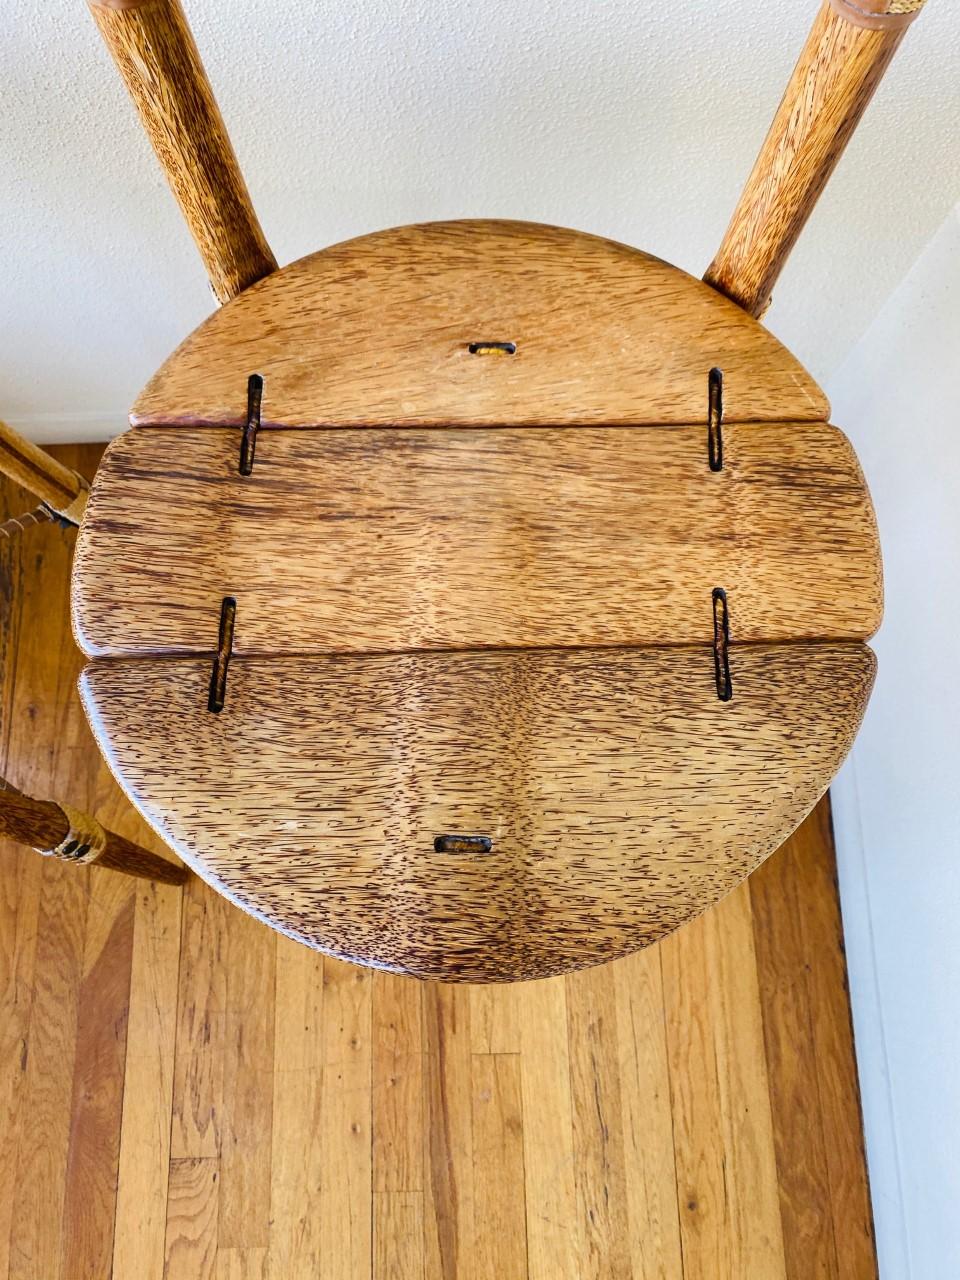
column 631, row 120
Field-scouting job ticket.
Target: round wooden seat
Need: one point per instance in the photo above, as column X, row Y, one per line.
column 479, row 600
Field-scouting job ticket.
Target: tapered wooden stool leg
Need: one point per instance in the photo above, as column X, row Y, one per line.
column 67, row 833
column 843, row 61
column 155, row 52
column 57, row 487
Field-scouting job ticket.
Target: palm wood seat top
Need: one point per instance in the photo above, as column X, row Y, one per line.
column 479, row 600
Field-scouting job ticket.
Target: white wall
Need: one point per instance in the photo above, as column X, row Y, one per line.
column 632, row 120
column 897, row 802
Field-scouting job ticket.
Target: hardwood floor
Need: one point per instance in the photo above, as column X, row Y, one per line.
column 186, row 1095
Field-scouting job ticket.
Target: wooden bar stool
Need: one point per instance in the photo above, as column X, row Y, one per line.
column 480, row 600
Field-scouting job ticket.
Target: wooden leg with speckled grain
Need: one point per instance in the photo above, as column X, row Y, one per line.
column 847, row 52
column 158, row 59
column 62, row 832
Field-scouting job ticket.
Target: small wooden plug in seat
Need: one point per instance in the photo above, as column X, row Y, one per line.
column 549, row 582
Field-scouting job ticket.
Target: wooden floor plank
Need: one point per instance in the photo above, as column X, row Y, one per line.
column 750, row 1173
column 600, row 1171
column 495, row 1017
column 726, row 1162
column 47, row 1094
column 398, row 1235
column 48, row 752
column 201, row 1023
column 696, row 1105
column 548, row 1154
column 191, row 1245
column 19, row 918
column 346, row 1187
column 449, row 1204
column 241, row 1264
column 103, row 1110
column 297, row 1160
column 243, row 1215
column 90, row 1200
column 148, row 1084
column 500, row 1233
column 810, row 857
column 803, row 1177
column 398, row 1084
column 649, row 1161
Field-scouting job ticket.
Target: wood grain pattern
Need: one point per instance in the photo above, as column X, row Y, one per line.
column 398, row 1049
column 353, row 541
column 201, row 1026
column 45, row 1093
column 549, row 1157
column 799, row 973
column 614, row 814
column 346, row 1182
column 748, row 1138
column 297, row 1161
column 243, row 1212
column 838, row 71
column 497, row 1123
column 601, row 1178
column 648, row 1133
column 191, row 1252
column 791, row 1052
column 358, row 540
column 242, row 1264
column 495, row 1015
column 450, row 1167
column 158, row 59
column 376, row 332
column 723, row 1142
column 59, row 918
column 42, row 824
column 145, row 1129
column 61, row 488
column 398, row 1235
column 814, row 873
column 89, row 1209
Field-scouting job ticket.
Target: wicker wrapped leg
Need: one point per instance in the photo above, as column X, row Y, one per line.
column 59, row 831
